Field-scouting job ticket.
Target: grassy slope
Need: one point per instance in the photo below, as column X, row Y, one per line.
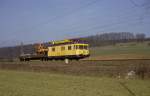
column 125, row 50
column 13, row 83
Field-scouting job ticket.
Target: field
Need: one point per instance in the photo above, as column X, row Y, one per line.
column 122, row 51
column 15, row 83
column 102, row 74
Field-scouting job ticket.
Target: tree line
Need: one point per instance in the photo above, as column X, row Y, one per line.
column 114, row 37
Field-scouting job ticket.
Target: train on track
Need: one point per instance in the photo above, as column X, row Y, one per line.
column 70, row 49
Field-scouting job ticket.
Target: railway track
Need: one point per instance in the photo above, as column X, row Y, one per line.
column 132, row 59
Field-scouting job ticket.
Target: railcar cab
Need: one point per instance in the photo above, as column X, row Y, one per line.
column 81, row 49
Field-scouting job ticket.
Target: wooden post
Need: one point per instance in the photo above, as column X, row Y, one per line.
column 66, row 61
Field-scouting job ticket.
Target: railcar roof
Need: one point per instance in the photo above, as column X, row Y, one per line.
column 64, row 44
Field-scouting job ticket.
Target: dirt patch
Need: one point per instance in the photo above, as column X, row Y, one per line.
column 90, row 68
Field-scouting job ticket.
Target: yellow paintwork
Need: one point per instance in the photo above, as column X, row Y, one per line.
column 61, row 41
column 59, row 51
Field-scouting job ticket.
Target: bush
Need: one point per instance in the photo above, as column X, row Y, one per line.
column 142, row 70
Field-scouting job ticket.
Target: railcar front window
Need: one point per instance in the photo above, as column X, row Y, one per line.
column 86, row 47
column 81, row 46
column 74, row 47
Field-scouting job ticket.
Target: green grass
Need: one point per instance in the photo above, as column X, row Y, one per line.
column 15, row 83
column 129, row 49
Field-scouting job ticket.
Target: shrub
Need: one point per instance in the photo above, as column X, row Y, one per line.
column 142, row 70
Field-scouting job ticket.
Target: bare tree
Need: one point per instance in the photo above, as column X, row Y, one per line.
column 140, row 37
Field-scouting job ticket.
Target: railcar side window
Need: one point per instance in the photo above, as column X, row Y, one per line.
column 53, row 49
column 69, row 47
column 76, row 46
column 62, row 48
column 85, row 47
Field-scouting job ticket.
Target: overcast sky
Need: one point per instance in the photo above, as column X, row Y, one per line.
column 31, row 21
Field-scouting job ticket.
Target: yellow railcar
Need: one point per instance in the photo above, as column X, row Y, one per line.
column 68, row 49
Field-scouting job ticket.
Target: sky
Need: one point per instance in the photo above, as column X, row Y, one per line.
column 37, row 21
